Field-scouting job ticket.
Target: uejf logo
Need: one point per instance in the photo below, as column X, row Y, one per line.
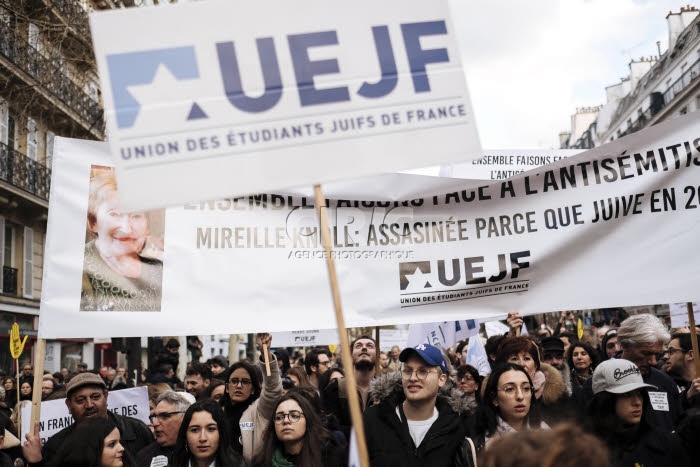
column 139, row 68
column 420, row 275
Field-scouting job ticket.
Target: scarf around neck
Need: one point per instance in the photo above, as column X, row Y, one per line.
column 278, row 460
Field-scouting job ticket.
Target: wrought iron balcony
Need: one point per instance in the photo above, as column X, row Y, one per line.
column 73, row 14
column 50, row 75
column 9, row 280
column 24, row 173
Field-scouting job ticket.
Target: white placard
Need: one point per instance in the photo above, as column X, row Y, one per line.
column 444, row 335
column 132, row 402
column 679, row 314
column 347, row 89
column 499, row 164
column 307, row 338
column 389, row 338
column 605, row 228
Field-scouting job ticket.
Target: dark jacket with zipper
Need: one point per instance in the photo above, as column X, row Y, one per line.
column 389, row 442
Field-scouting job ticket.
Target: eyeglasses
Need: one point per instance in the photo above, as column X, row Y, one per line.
column 512, row 391
column 162, row 417
column 467, row 378
column 672, row 350
column 294, row 416
column 421, row 373
column 326, row 363
column 242, row 382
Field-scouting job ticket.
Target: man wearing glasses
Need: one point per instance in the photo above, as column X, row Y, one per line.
column 316, row 363
column 166, row 420
column 415, row 423
column 681, row 367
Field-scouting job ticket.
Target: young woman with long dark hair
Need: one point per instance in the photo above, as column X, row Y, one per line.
column 249, row 400
column 296, row 437
column 95, row 442
column 203, row 439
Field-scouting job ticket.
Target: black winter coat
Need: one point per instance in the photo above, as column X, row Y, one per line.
column 389, row 442
column 649, row 447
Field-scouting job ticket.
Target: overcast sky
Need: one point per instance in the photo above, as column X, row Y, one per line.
column 529, row 64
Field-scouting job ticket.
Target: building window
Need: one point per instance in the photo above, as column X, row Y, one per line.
column 31, row 139
column 49, row 147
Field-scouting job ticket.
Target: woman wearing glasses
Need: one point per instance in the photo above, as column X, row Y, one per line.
column 248, row 403
column 508, row 403
column 296, row 438
column 469, row 381
column 203, row 440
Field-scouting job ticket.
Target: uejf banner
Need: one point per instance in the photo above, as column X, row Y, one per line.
column 610, row 227
column 207, row 99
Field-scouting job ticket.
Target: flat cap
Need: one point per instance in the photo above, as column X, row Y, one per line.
column 84, row 379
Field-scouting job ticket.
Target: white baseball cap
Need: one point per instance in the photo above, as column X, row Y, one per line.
column 618, row 376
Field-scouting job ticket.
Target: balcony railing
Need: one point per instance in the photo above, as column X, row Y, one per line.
column 50, row 75
column 683, row 82
column 24, row 173
column 73, row 14
column 690, row 75
column 9, row 280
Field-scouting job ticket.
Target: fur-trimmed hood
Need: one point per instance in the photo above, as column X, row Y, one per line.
column 389, row 387
column 554, row 387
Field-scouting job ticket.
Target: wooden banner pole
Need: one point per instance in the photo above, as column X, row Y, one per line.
column 694, row 338
column 353, row 399
column 39, row 358
column 378, row 365
column 266, row 356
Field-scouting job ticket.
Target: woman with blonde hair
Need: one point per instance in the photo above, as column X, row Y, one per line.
column 122, row 270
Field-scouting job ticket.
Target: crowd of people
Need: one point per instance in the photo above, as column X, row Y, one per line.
column 629, row 393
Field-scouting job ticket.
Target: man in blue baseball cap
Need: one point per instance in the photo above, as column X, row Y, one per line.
column 416, row 424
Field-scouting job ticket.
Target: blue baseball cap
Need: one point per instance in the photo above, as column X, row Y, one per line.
column 431, row 355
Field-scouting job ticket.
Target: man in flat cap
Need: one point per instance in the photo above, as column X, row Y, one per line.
column 86, row 397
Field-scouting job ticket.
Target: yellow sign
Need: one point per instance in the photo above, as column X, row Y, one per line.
column 333, row 347
column 16, row 342
column 579, row 329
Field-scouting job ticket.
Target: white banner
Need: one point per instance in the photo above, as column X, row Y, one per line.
column 679, row 314
column 391, row 337
column 504, row 163
column 132, row 402
column 609, row 227
column 307, row 338
column 345, row 89
column 477, row 356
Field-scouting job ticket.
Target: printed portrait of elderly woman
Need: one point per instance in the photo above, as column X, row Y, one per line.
column 123, row 268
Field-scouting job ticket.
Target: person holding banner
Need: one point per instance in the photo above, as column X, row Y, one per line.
column 122, row 270
column 248, row 405
column 203, row 440
column 95, row 442
column 87, row 398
